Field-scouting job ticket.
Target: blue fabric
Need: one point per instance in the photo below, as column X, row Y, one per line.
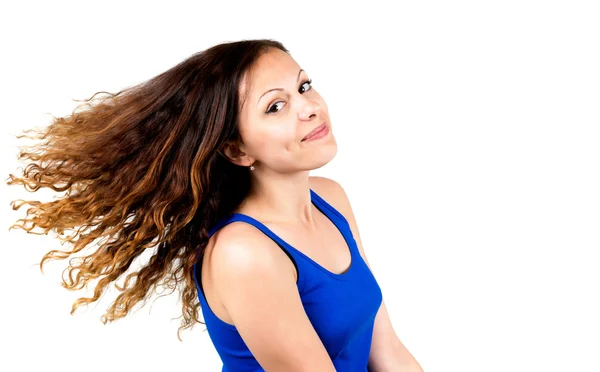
column 341, row 307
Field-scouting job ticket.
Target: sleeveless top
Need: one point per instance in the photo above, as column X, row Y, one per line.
column 341, row 307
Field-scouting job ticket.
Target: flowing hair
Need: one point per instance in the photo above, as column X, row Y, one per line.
column 143, row 169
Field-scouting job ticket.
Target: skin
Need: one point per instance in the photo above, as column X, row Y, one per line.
column 273, row 142
column 248, row 280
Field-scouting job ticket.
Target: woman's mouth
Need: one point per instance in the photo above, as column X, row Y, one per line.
column 319, row 132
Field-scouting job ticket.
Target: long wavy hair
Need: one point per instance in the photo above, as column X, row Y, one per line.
column 143, row 169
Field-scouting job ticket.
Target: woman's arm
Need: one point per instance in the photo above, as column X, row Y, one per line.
column 254, row 282
column 388, row 354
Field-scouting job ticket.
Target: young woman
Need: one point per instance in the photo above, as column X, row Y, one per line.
column 208, row 163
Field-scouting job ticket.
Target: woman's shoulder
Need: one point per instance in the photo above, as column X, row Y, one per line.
column 239, row 239
column 331, row 191
column 239, row 245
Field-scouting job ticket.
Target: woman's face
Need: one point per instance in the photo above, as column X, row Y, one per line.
column 273, row 123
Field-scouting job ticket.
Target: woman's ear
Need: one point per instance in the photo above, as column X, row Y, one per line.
column 234, row 154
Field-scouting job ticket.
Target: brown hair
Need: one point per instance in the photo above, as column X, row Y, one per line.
column 142, row 169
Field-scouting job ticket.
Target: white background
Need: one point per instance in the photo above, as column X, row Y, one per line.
column 469, row 144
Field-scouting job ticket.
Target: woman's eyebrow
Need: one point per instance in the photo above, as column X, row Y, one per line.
column 270, row 90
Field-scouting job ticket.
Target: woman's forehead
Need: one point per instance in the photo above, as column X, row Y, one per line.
column 273, row 70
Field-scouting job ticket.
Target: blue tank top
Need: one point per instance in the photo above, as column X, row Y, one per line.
column 341, row 307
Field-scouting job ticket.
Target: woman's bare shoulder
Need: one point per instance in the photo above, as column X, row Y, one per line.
column 241, row 246
column 331, row 191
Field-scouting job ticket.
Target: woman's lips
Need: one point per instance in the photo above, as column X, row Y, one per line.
column 318, row 132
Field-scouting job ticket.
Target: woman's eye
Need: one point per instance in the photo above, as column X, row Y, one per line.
column 270, row 111
column 309, row 81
